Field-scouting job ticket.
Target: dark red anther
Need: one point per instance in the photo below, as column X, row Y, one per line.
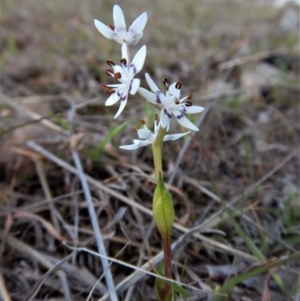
column 178, row 85
column 107, row 89
column 123, row 61
column 108, row 72
column 188, row 103
column 135, row 128
column 190, row 96
column 117, row 75
column 111, row 26
column 177, row 101
column 142, row 122
column 156, row 116
column 110, row 63
column 165, row 81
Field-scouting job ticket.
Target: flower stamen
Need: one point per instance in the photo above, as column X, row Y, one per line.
column 178, row 85
column 109, row 73
column 190, row 96
column 111, row 26
column 123, row 61
column 110, row 63
column 117, row 75
column 107, row 89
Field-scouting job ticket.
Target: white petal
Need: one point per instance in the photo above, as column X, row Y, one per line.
column 151, row 83
column 119, row 86
column 135, row 84
column 125, row 52
column 135, row 31
column 123, row 103
column 175, row 136
column 165, row 117
column 184, row 121
column 106, row 31
column 194, row 109
column 173, row 93
column 117, row 68
column 133, row 41
column 144, row 133
column 119, row 20
column 183, row 99
column 138, row 60
column 137, row 144
column 130, row 147
column 151, row 97
column 112, row 99
column 141, row 142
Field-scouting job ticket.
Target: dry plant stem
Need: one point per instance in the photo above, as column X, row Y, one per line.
column 41, row 173
column 94, row 221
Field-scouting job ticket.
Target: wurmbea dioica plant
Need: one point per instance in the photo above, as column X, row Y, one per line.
column 171, row 108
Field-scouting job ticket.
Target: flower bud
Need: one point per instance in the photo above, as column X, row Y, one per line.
column 163, row 209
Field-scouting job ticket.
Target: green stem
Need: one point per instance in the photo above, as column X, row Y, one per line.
column 156, row 149
column 166, row 240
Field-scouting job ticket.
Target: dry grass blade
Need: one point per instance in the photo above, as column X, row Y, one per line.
column 253, row 58
column 3, row 291
column 95, row 224
column 43, row 179
column 24, row 111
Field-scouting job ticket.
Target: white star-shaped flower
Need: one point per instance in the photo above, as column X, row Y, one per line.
column 171, row 104
column 147, row 137
column 118, row 31
column 125, row 74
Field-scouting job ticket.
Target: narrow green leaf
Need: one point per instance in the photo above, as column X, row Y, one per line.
column 256, row 271
column 100, row 147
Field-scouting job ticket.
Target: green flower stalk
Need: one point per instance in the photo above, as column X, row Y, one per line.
column 163, row 212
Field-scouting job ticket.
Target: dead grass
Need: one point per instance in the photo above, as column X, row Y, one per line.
column 246, row 152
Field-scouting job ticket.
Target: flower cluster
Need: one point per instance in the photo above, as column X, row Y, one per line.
column 169, row 104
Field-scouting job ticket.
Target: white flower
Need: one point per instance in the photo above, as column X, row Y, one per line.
column 125, row 74
column 118, row 31
column 170, row 104
column 149, row 137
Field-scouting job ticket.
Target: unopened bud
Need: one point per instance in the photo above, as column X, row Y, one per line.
column 163, row 209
